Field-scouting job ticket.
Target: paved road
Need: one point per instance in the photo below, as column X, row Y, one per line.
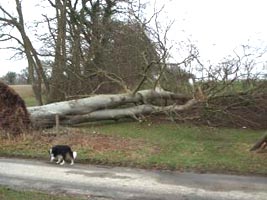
column 128, row 184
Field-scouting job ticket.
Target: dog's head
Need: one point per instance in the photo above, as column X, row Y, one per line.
column 51, row 154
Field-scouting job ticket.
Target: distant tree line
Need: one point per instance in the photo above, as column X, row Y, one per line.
column 14, row 78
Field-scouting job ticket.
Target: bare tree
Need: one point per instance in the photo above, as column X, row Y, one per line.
column 35, row 66
column 60, row 58
column 100, row 49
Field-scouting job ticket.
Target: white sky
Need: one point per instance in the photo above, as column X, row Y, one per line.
column 217, row 27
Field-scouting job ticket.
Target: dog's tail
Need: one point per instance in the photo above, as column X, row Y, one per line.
column 74, row 153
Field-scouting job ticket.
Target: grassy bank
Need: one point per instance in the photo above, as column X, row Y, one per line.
column 146, row 145
column 11, row 194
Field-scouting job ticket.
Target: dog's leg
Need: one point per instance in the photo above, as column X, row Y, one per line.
column 63, row 159
column 52, row 158
column 63, row 162
column 59, row 160
column 72, row 162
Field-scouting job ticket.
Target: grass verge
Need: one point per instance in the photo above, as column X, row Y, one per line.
column 11, row 194
column 146, row 145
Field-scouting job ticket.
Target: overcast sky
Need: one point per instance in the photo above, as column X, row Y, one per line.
column 217, row 27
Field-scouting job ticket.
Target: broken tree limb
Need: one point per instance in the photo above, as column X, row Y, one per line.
column 260, row 144
column 105, row 107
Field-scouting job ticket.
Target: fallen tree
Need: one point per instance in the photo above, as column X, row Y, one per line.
column 109, row 107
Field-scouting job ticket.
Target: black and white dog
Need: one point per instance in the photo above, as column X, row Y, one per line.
column 61, row 152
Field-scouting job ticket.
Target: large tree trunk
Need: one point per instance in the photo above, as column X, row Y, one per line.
column 34, row 62
column 57, row 90
column 106, row 107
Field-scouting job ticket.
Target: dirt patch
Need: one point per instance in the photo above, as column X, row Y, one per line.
column 95, row 141
column 79, row 139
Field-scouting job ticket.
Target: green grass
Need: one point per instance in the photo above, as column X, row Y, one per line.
column 11, row 194
column 30, row 101
column 160, row 146
column 193, row 148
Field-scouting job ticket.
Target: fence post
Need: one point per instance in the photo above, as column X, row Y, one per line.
column 57, row 123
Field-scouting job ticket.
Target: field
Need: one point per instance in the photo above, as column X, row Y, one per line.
column 150, row 144
column 25, row 91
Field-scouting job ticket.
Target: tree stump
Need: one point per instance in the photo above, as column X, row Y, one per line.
column 14, row 117
column 260, row 144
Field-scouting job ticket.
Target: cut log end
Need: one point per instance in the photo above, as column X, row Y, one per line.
column 260, row 144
